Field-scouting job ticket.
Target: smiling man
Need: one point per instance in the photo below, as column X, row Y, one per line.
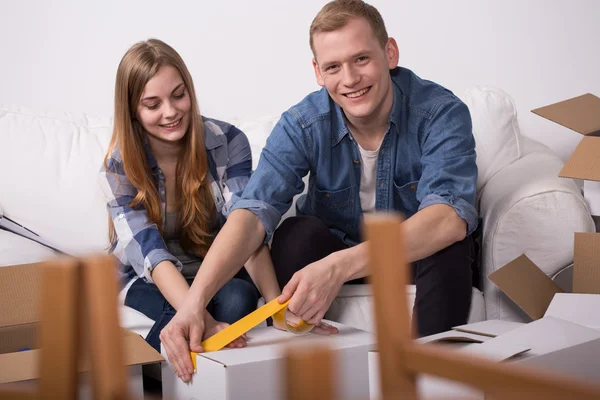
column 376, row 137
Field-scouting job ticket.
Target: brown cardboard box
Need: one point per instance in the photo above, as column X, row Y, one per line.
column 581, row 114
column 19, row 322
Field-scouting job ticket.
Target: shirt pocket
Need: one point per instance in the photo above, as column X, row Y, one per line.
column 334, row 206
column 405, row 198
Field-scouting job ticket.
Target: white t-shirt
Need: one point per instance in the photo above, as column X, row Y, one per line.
column 368, row 178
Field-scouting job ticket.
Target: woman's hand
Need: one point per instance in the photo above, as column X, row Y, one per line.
column 212, row 327
column 187, row 324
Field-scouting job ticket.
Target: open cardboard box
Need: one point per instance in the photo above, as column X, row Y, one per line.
column 581, row 114
column 19, row 322
column 257, row 371
column 565, row 332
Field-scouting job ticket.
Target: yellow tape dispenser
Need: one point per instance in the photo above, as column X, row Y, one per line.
column 237, row 329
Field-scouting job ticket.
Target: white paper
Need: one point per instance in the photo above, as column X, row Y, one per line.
column 591, row 193
column 12, row 226
column 582, row 309
column 492, row 327
column 543, row 336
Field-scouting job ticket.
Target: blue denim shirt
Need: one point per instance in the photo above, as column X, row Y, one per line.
column 427, row 157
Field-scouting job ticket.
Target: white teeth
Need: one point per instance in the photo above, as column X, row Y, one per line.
column 357, row 94
column 172, row 124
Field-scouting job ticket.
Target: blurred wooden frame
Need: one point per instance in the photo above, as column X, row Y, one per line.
column 400, row 359
column 78, row 296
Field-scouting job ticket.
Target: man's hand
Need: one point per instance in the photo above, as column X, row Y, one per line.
column 312, row 290
column 186, row 324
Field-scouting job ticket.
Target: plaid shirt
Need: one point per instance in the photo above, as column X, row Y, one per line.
column 140, row 246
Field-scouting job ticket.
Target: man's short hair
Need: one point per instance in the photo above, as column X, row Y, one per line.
column 337, row 13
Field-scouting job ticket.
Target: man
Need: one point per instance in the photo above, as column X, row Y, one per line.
column 376, row 137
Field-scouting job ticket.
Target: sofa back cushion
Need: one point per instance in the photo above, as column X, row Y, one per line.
column 496, row 131
column 49, row 165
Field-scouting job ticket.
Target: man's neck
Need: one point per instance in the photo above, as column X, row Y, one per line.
column 369, row 131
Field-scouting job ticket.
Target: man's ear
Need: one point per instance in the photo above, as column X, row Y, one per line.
column 392, row 53
column 320, row 80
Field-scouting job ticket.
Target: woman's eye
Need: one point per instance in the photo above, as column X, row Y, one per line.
column 179, row 95
column 152, row 106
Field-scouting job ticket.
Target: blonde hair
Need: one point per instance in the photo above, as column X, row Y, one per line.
column 139, row 64
column 336, row 14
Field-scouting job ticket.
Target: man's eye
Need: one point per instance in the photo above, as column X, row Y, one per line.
column 363, row 58
column 331, row 67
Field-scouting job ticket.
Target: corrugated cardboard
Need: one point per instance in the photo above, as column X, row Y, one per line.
column 489, row 328
column 586, row 263
column 581, row 114
column 257, row 371
column 19, row 325
column 525, row 284
column 533, row 291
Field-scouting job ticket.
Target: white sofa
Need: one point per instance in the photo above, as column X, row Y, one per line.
column 48, row 182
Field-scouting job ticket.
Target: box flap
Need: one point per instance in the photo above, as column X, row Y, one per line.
column 18, row 367
column 22, row 366
column 582, row 309
column 17, row 337
column 584, row 162
column 491, row 327
column 267, row 343
column 19, row 294
column 453, row 337
column 581, row 361
column 581, row 114
column 586, row 269
column 525, row 284
column 543, row 336
column 495, row 351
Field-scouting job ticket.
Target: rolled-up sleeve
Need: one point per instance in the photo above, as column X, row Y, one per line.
column 139, row 242
column 448, row 159
column 278, row 177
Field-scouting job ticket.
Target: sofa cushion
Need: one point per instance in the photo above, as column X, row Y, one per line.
column 48, row 175
column 496, row 131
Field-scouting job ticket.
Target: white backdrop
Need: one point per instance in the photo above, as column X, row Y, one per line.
column 251, row 58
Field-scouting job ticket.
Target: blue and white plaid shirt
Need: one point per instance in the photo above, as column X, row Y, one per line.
column 140, row 246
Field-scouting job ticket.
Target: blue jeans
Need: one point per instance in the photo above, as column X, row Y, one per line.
column 233, row 301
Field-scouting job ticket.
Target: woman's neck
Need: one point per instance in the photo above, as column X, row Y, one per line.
column 165, row 152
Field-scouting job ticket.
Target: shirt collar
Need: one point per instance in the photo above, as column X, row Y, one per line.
column 340, row 127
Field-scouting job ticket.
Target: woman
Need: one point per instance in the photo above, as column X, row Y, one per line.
column 169, row 175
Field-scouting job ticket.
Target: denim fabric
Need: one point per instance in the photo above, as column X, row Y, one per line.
column 233, row 301
column 427, row 157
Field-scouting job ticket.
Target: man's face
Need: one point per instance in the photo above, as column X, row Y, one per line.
column 354, row 68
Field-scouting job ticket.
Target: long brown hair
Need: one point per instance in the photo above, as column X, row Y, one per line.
column 139, row 64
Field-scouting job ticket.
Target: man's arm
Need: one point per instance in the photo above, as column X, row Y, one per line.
column 428, row 231
column 239, row 238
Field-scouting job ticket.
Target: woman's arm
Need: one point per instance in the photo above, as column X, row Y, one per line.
column 260, row 268
column 171, row 283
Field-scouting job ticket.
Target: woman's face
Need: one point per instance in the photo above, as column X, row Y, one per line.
column 164, row 108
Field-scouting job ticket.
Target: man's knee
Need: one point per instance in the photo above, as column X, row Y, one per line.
column 299, row 229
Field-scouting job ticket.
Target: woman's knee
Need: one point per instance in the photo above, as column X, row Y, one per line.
column 235, row 300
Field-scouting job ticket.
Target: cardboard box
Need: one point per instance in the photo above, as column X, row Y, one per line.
column 19, row 322
column 257, row 371
column 581, row 114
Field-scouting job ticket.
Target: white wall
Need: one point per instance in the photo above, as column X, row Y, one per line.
column 251, row 58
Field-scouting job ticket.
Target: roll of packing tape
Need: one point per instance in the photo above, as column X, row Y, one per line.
column 237, row 329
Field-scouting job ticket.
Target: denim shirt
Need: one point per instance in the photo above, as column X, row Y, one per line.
column 140, row 246
column 427, row 157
